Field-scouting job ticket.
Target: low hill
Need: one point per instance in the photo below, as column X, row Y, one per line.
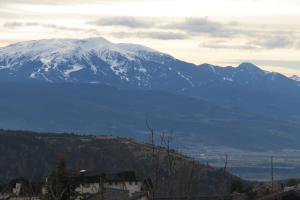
column 33, row 155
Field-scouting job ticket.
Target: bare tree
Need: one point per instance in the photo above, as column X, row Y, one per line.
column 179, row 172
column 225, row 185
column 155, row 161
column 185, row 178
column 166, row 139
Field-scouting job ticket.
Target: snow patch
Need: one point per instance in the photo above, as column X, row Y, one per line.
column 143, row 70
column 186, row 78
column 228, row 79
column 74, row 68
column 4, row 67
column 295, row 78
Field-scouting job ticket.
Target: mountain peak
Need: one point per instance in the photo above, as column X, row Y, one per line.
column 295, row 78
column 67, row 46
column 98, row 39
column 208, row 67
column 248, row 66
column 97, row 60
column 64, row 59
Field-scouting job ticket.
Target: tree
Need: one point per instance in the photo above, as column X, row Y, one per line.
column 292, row 182
column 155, row 161
column 237, row 186
column 185, row 177
column 60, row 183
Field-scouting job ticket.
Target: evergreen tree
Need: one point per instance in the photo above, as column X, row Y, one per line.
column 60, row 183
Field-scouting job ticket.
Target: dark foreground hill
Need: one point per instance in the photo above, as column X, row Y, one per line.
column 32, row 155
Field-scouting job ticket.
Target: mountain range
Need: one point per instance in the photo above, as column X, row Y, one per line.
column 96, row 86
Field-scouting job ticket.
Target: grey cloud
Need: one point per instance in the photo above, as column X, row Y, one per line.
column 273, row 42
column 161, row 35
column 192, row 26
column 12, row 24
column 164, row 35
column 268, row 40
column 152, row 35
column 19, row 24
column 279, row 40
column 130, row 22
column 258, row 40
column 229, row 46
column 204, row 26
column 53, row 26
column 178, row 30
column 50, row 26
column 298, row 44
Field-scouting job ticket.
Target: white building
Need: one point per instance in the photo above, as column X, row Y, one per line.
column 125, row 181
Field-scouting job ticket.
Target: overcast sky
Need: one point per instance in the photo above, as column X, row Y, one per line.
column 223, row 32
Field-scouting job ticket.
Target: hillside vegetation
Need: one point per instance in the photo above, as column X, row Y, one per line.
column 33, row 155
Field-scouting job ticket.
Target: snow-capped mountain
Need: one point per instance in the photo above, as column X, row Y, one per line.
column 77, row 60
column 118, row 86
column 97, row 60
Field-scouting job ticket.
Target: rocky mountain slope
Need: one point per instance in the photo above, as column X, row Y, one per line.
column 96, row 109
column 96, row 86
column 130, row 66
column 97, row 60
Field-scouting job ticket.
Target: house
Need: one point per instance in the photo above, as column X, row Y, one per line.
column 295, row 187
column 18, row 186
column 4, row 196
column 23, row 188
column 123, row 181
column 238, row 196
column 282, row 195
column 119, row 186
column 123, row 184
column 117, row 194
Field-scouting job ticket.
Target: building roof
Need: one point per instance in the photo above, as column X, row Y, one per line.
column 121, row 177
column 111, row 194
column 283, row 195
column 117, row 194
column 117, row 177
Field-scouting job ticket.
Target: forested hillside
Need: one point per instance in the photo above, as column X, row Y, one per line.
column 33, row 155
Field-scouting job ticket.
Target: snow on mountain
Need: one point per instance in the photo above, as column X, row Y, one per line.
column 295, row 78
column 97, row 60
column 48, row 49
column 59, row 59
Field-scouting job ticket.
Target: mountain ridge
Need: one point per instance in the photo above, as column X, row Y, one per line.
column 131, row 66
column 92, row 55
column 244, row 103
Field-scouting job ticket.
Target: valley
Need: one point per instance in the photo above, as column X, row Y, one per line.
column 95, row 87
